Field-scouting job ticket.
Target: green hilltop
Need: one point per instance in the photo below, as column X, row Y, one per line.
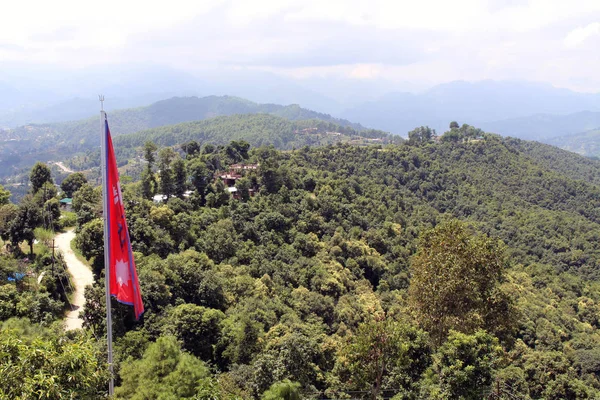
column 468, row 264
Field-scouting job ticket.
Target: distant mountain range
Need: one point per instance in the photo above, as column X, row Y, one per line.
column 48, row 95
column 507, row 108
column 543, row 127
column 510, row 108
column 519, row 109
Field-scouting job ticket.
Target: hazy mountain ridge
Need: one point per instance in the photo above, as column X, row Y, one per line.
column 486, row 104
column 55, row 95
column 21, row 147
column 545, row 127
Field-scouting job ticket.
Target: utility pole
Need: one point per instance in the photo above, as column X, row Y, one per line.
column 53, row 256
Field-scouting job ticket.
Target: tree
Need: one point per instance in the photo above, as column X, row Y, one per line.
column 149, row 150
column 72, row 183
column 40, row 174
column 383, row 355
column 86, row 204
column 149, row 184
column 284, row 390
column 191, row 149
column 237, row 151
column 51, row 214
column 86, row 194
column 90, row 240
column 455, row 278
column 454, row 125
column 243, row 186
column 164, row 372
column 420, row 135
column 453, row 135
column 4, row 196
column 50, row 367
column 8, row 212
column 198, row 328
column 463, row 368
column 94, row 309
column 27, row 218
column 45, row 193
column 167, row 183
column 200, row 176
column 179, row 177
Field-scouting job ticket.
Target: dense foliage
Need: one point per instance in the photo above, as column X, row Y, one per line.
column 310, row 280
column 462, row 266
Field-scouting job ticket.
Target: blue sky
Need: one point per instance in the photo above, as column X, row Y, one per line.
column 403, row 44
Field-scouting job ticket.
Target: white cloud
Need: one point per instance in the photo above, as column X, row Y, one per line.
column 581, row 34
column 404, row 40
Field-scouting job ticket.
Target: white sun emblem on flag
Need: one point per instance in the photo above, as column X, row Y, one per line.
column 122, row 272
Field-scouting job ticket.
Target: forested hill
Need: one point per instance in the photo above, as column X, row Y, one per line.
column 167, row 112
column 556, row 159
column 256, row 129
column 21, row 147
column 585, row 143
column 466, row 266
column 330, row 257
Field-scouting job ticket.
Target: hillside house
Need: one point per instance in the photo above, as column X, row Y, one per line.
column 236, row 172
column 229, row 179
column 66, row 204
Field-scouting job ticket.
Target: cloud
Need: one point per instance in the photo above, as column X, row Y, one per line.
column 581, row 34
column 418, row 41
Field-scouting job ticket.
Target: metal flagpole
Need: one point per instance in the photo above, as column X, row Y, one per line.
column 104, row 166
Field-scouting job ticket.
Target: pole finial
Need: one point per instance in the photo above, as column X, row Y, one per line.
column 101, row 98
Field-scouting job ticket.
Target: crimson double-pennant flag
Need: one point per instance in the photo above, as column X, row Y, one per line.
column 123, row 279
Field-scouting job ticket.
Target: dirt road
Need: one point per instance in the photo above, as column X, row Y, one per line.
column 64, row 168
column 82, row 276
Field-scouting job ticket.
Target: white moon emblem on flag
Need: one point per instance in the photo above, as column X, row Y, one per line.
column 122, row 272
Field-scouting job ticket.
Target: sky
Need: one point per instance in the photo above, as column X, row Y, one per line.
column 410, row 44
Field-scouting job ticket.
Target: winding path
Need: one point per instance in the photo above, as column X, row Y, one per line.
column 64, row 168
column 82, row 276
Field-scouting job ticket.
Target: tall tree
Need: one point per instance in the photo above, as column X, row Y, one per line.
column 420, row 135
column 149, row 150
column 200, row 176
column 4, row 196
column 86, row 204
column 463, row 368
column 179, row 177
column 22, row 227
column 455, row 278
column 165, row 372
column 40, row 174
column 149, row 185
column 50, row 367
column 167, row 183
column 8, row 212
column 383, row 355
column 191, row 148
column 72, row 183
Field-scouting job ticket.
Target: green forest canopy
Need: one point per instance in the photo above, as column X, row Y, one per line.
column 308, row 286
